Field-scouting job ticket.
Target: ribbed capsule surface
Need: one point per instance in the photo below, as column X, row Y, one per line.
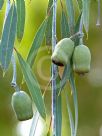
column 22, row 105
column 63, row 52
column 81, row 59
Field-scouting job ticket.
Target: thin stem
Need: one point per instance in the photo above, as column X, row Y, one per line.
column 54, row 70
column 74, row 36
column 13, row 83
column 99, row 14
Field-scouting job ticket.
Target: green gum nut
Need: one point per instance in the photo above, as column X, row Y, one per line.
column 22, row 105
column 63, row 52
column 81, row 59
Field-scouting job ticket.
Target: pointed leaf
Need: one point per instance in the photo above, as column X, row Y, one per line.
column 78, row 23
column 74, row 92
column 8, row 37
column 49, row 24
column 65, row 76
column 70, row 11
column 20, row 18
column 77, row 26
column 71, row 120
column 33, row 86
column 37, row 43
column 85, row 13
column 58, row 109
column 64, row 26
column 1, row 4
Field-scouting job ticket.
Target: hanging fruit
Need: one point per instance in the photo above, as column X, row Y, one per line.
column 63, row 52
column 81, row 59
column 22, row 105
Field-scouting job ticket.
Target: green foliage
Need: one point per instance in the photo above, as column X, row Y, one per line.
column 1, row 4
column 71, row 16
column 65, row 76
column 48, row 33
column 37, row 43
column 64, row 26
column 70, row 115
column 74, row 92
column 58, row 109
column 20, row 18
column 16, row 19
column 8, row 37
column 33, row 86
column 85, row 13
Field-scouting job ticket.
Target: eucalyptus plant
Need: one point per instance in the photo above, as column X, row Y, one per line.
column 70, row 52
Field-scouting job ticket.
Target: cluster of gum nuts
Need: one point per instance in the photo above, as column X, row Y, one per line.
column 22, row 105
column 65, row 50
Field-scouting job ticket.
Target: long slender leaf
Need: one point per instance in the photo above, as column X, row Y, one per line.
column 85, row 13
column 1, row 4
column 65, row 76
column 64, row 34
column 49, row 24
column 8, row 37
column 37, row 43
column 70, row 115
column 64, row 26
column 33, row 86
column 78, row 23
column 77, row 26
column 20, row 18
column 70, row 11
column 34, row 123
column 74, row 92
column 79, row 3
column 58, row 109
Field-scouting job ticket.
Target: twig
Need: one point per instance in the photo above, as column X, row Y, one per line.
column 54, row 70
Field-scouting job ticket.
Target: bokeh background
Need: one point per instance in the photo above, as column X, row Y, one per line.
column 89, row 87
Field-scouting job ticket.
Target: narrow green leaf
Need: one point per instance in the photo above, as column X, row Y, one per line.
column 77, row 26
column 64, row 34
column 20, row 18
column 74, row 92
column 1, row 4
column 85, row 13
column 8, row 37
column 34, row 123
column 65, row 76
column 33, row 86
column 37, row 43
column 58, row 109
column 48, row 33
column 70, row 11
column 80, row 4
column 78, row 23
column 70, row 115
column 64, row 26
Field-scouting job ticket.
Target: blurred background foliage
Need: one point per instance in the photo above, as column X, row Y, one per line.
column 89, row 87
